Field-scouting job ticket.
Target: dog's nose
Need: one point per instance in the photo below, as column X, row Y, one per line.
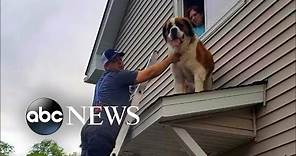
column 174, row 31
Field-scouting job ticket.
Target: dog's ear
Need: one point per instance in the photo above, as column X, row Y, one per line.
column 164, row 31
column 189, row 26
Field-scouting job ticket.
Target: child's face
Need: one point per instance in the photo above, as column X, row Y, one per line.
column 196, row 18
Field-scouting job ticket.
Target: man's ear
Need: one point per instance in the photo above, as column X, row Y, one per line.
column 189, row 26
column 106, row 65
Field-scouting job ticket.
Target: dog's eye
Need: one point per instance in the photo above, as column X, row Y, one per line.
column 180, row 25
column 169, row 26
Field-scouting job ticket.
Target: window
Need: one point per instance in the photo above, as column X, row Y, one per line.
column 214, row 11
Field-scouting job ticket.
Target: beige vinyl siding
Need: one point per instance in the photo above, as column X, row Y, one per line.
column 282, row 149
column 141, row 35
column 277, row 103
column 259, row 43
column 256, row 43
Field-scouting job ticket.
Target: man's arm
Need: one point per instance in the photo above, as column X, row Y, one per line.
column 156, row 69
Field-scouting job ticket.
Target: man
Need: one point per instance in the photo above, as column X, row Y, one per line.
column 112, row 89
column 196, row 16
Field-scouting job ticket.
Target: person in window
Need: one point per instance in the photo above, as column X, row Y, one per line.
column 112, row 89
column 196, row 16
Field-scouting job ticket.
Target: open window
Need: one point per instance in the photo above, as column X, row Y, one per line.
column 214, row 12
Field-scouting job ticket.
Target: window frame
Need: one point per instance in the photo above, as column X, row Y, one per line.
column 210, row 31
column 178, row 7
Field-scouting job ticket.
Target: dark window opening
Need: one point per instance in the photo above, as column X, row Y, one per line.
column 194, row 11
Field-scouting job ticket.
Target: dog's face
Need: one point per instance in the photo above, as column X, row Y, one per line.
column 176, row 31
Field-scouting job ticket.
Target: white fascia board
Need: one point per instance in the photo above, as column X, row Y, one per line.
column 93, row 76
column 112, row 24
column 212, row 101
column 107, row 34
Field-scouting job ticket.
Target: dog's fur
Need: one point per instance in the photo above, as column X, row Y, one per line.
column 193, row 73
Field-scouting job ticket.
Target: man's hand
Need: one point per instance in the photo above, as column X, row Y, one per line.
column 156, row 69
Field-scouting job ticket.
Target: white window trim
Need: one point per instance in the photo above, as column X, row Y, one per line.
column 178, row 8
column 179, row 11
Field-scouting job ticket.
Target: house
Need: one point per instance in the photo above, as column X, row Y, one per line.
column 251, row 41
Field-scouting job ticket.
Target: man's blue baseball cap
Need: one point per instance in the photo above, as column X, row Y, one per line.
column 110, row 54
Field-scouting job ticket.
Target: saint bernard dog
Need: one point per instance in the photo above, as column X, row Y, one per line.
column 193, row 73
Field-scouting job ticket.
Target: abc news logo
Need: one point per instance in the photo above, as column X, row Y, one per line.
column 45, row 116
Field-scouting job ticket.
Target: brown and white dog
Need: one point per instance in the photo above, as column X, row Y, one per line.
column 193, row 73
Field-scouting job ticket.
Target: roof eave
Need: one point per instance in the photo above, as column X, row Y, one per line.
column 190, row 105
column 106, row 36
column 190, row 113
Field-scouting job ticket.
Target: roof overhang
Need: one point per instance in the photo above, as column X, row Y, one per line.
column 106, row 37
column 205, row 116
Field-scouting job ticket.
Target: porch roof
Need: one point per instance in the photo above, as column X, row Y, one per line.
column 217, row 121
